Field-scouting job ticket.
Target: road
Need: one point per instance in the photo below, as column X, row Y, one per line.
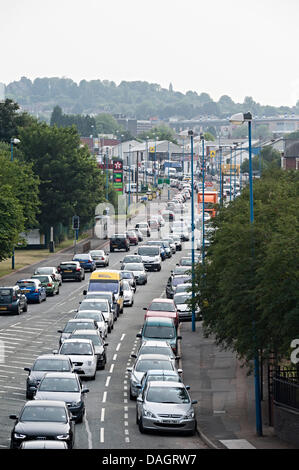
column 109, row 422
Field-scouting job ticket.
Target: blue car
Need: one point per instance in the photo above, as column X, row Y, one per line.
column 159, row 243
column 33, row 290
column 86, row 261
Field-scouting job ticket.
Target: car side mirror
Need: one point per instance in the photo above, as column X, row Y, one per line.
column 187, row 387
column 194, row 402
column 144, row 308
column 85, row 390
column 129, row 369
column 180, row 371
column 177, row 358
column 13, row 417
column 27, row 369
column 106, row 344
column 139, row 335
column 179, row 337
column 139, row 399
column 134, row 356
column 85, row 292
column 73, row 418
column 59, row 331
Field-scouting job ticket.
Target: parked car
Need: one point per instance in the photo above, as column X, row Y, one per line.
column 156, row 347
column 119, row 241
column 33, row 290
column 98, row 344
column 100, row 257
column 51, row 271
column 138, row 270
column 76, row 324
column 48, row 282
column 86, row 261
column 12, row 299
column 82, row 354
column 42, row 364
column 160, row 328
column 43, row 419
column 183, row 288
column 173, row 281
column 144, row 363
column 171, row 244
column 71, row 270
column 181, row 301
column 178, row 242
column 100, row 304
column 151, row 257
column 128, row 294
column 185, row 261
column 167, row 406
column 97, row 316
column 64, row 386
column 161, row 307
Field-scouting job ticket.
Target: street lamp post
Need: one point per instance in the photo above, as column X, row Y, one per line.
column 220, row 169
column 13, row 141
column 168, row 172
column 155, row 178
column 146, row 166
column 230, row 174
column 190, row 133
column 238, row 119
column 107, row 173
column 203, row 197
column 241, row 161
column 235, row 169
column 129, row 175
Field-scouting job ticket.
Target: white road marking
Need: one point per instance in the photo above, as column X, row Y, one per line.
column 107, row 381
column 127, row 439
column 126, row 416
column 126, row 408
column 125, row 400
column 126, row 423
column 126, row 431
column 89, row 435
column 103, row 415
column 111, row 369
column 237, row 444
column 125, row 394
column 118, row 346
column 102, row 435
column 114, row 357
column 104, row 397
column 122, row 336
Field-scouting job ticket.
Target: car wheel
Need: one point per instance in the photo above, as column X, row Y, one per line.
column 39, row 300
column 109, row 330
column 141, row 428
column 137, row 420
column 57, row 293
column 94, row 376
column 25, row 308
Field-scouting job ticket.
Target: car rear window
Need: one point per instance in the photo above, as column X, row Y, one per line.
column 26, row 283
column 5, row 295
column 68, row 266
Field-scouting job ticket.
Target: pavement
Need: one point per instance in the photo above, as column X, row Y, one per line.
column 225, row 393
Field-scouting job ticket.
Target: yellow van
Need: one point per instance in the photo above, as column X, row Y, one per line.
column 108, row 281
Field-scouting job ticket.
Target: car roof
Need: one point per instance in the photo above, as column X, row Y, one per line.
column 61, row 375
column 85, row 332
column 87, row 311
column 161, row 299
column 79, row 340
column 160, row 383
column 161, row 372
column 157, row 320
column 28, row 279
column 94, row 300
column 160, row 344
column 60, row 357
column 59, row 403
column 83, row 320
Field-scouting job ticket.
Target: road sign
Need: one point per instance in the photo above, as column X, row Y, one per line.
column 76, row 222
column 212, row 153
column 152, row 149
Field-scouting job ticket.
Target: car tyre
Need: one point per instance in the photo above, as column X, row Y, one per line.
column 141, row 428
column 137, row 420
column 25, row 308
column 94, row 376
column 57, row 293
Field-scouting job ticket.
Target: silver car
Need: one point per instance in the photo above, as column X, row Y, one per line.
column 143, row 364
column 165, row 406
column 138, row 270
column 100, row 257
column 95, row 315
column 99, row 304
column 98, row 344
column 157, row 347
column 128, row 293
column 51, row 271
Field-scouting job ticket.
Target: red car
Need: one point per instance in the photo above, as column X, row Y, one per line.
column 133, row 238
column 163, row 308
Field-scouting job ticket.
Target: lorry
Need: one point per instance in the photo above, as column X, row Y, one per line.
column 210, row 199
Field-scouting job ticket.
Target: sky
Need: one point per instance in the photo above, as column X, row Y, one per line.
column 221, row 47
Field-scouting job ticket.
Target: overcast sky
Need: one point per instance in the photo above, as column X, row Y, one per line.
column 222, row 47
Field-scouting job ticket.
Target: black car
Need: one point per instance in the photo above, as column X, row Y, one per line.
column 43, row 420
column 71, row 270
column 64, row 386
column 119, row 241
column 12, row 300
column 43, row 364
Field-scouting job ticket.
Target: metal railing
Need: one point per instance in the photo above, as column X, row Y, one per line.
column 286, row 387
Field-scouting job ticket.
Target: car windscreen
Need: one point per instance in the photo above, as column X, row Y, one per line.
column 44, row 271
column 148, row 251
column 97, row 316
column 179, row 280
column 68, row 266
column 175, row 395
column 26, row 284
column 48, row 365
column 78, row 349
column 44, row 413
column 56, row 384
column 127, row 275
column 97, row 253
column 100, row 296
column 162, row 306
column 163, row 378
column 156, row 350
column 186, row 262
column 71, row 326
column 134, row 267
column 102, row 285
column 181, row 298
column 181, row 269
column 131, row 259
column 145, row 364
column 159, row 331
column 43, row 279
column 94, row 338
column 81, row 257
column 182, row 288
column 96, row 305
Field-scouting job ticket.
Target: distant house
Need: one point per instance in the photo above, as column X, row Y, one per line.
column 290, row 157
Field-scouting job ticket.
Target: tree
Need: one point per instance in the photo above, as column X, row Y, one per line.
column 268, row 158
column 11, row 221
column 106, row 124
column 11, row 120
column 70, row 181
column 251, row 272
column 162, row 132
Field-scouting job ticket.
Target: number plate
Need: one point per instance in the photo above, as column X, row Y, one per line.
column 3, row 308
column 68, row 271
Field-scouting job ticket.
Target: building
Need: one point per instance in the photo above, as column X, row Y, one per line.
column 290, row 157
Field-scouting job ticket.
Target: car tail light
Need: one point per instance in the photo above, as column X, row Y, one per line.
column 36, row 291
column 89, row 261
column 102, row 257
column 14, row 297
column 49, row 284
column 78, row 269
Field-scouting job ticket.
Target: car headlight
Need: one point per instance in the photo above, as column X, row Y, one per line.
column 148, row 414
column 134, row 380
column 89, row 363
column 190, row 415
column 63, row 436
column 19, row 436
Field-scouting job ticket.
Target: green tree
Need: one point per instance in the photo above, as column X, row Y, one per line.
column 163, row 132
column 251, row 272
column 106, row 124
column 269, row 158
column 11, row 221
column 70, row 180
column 11, row 120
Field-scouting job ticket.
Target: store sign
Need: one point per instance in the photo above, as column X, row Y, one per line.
column 118, row 175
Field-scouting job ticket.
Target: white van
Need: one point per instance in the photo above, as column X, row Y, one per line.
column 132, row 187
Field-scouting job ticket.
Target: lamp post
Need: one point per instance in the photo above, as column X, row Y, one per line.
column 146, row 166
column 107, row 173
column 129, row 175
column 203, row 197
column 155, row 178
column 13, row 141
column 235, row 170
column 220, row 162
column 168, row 172
column 239, row 119
column 190, row 133
column 241, row 161
column 230, row 174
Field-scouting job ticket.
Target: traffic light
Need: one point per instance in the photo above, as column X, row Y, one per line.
column 76, row 222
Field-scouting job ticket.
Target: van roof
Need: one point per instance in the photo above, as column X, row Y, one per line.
column 105, row 274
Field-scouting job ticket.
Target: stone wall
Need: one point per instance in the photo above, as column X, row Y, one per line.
column 286, row 424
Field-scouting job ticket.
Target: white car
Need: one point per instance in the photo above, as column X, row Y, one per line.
column 98, row 317
column 138, row 270
column 82, row 354
column 128, row 293
column 100, row 304
column 100, row 257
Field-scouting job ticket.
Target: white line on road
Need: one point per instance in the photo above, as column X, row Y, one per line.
column 104, row 397
column 111, row 369
column 122, row 336
column 102, row 435
column 127, row 439
column 114, row 357
column 89, row 435
column 126, row 423
column 118, row 346
column 107, row 381
column 126, row 416
column 103, row 415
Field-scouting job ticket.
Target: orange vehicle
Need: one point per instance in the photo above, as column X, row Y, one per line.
column 210, row 199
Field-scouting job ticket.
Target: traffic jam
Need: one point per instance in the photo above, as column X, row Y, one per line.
column 56, row 385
